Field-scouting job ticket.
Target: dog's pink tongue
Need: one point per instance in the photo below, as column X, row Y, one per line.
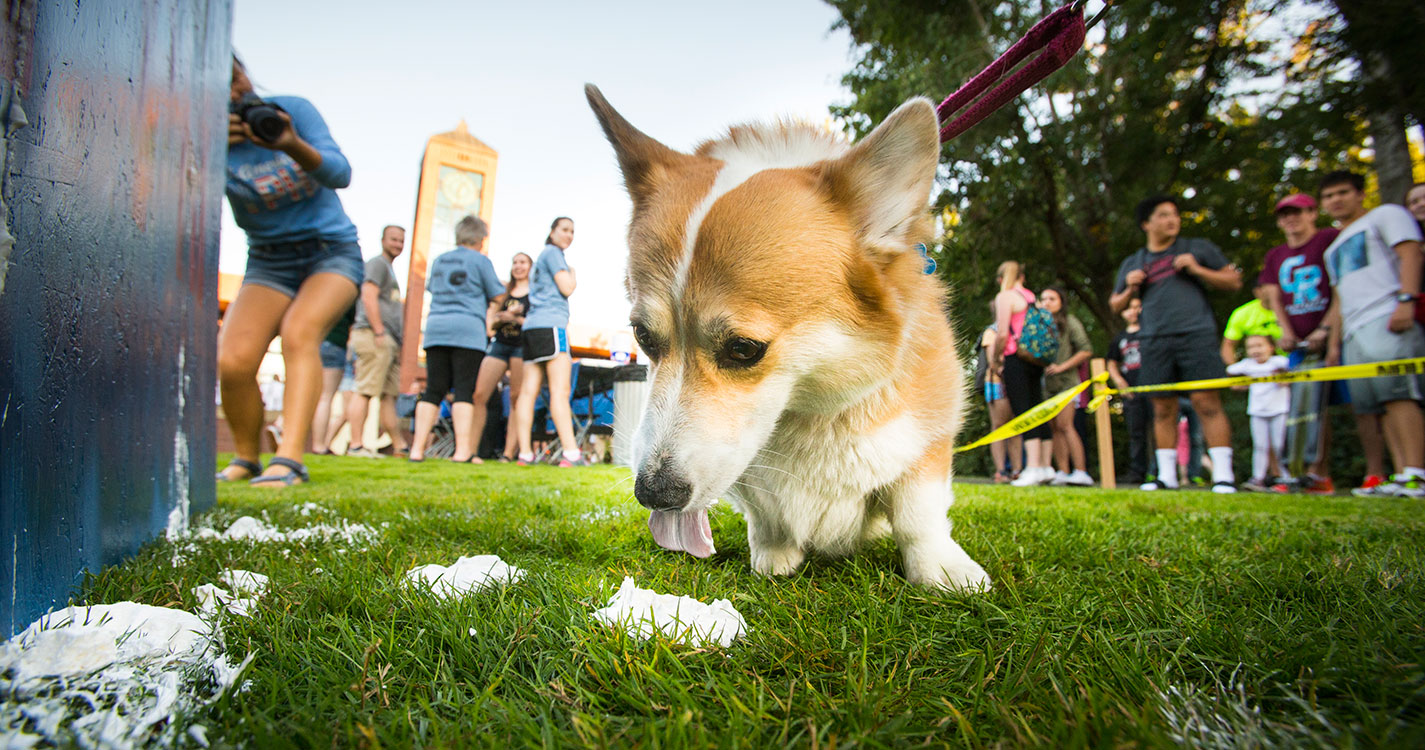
column 688, row 531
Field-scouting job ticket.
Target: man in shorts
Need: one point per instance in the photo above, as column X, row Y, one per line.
column 376, row 342
column 1374, row 268
column 1171, row 275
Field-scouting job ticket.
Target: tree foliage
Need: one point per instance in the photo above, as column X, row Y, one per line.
column 1221, row 102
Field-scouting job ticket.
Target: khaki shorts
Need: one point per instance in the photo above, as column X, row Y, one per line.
column 378, row 368
column 1375, row 342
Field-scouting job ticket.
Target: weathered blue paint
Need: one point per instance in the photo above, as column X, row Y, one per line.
column 108, row 309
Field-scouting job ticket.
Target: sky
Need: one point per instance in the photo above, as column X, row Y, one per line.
column 387, row 77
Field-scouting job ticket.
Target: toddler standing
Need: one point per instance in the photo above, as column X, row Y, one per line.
column 1267, row 405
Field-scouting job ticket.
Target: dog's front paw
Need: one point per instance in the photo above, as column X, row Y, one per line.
column 777, row 561
column 959, row 578
column 946, row 566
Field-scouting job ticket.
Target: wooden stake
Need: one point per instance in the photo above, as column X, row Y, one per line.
column 1104, row 427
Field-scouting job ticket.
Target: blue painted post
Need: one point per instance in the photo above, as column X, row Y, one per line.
column 114, row 125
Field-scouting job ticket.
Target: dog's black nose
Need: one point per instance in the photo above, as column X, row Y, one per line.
column 660, row 486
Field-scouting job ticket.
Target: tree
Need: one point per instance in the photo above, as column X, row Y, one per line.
column 1198, row 98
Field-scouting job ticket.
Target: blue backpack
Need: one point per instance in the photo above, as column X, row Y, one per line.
column 1038, row 341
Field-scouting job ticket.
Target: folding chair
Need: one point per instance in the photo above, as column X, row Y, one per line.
column 443, row 434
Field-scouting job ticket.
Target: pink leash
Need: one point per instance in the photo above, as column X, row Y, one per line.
column 1060, row 35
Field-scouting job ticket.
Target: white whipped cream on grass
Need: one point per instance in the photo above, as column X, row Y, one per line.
column 240, row 597
column 110, row 675
column 258, row 531
column 643, row 612
column 465, row 576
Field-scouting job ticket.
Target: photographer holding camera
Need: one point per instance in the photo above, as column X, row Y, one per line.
column 303, row 269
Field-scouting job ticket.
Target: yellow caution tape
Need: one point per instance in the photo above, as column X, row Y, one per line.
column 1045, row 411
column 1394, row 367
column 1035, row 416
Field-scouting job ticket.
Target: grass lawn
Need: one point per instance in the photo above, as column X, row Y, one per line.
column 1118, row 619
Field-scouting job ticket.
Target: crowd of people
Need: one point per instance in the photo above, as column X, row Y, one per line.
column 340, row 319
column 1348, row 294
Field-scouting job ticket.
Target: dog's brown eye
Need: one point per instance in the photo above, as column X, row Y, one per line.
column 646, row 341
column 741, row 352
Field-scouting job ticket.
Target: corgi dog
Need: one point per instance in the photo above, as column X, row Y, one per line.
column 802, row 363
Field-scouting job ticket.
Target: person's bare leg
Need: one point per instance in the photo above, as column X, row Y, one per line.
column 524, row 408
column 426, row 414
column 1036, row 452
column 1076, row 460
column 338, row 418
column 331, row 378
column 1060, row 442
column 1165, row 422
column 558, row 370
column 1215, row 427
column 462, row 413
column 1368, row 431
column 392, row 424
column 491, row 370
column 356, row 413
column 512, row 443
column 998, row 450
column 321, row 300
column 1405, row 431
column 250, row 324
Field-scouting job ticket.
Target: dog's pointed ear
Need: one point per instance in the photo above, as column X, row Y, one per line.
column 885, row 179
column 642, row 159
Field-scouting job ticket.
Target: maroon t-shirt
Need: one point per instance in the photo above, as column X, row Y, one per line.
column 1301, row 274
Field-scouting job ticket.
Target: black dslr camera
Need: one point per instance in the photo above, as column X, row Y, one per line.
column 259, row 115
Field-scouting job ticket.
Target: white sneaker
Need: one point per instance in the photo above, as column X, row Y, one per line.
column 1033, row 476
column 1079, row 478
column 1156, row 484
column 1399, row 485
column 1060, row 479
column 363, row 452
column 1224, row 488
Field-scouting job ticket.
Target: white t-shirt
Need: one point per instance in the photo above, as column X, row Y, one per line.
column 1264, row 399
column 1363, row 265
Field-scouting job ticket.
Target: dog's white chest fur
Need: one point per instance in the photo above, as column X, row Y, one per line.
column 817, row 484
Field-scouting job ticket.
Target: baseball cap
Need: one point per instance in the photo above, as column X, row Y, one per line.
column 1295, row 200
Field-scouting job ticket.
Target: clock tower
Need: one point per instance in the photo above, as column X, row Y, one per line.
column 457, row 180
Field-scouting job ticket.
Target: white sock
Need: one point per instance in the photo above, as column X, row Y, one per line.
column 572, row 455
column 1167, row 466
column 1222, row 464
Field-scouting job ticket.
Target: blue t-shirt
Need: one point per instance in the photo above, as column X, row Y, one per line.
column 462, row 282
column 275, row 200
column 547, row 307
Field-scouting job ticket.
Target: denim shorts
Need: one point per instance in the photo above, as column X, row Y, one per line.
column 501, row 350
column 285, row 265
column 333, row 356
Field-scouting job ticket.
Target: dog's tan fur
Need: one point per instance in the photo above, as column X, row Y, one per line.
column 786, row 235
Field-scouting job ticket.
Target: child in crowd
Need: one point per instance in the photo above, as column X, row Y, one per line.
column 1267, row 405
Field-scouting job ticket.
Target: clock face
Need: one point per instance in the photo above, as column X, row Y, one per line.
column 458, row 188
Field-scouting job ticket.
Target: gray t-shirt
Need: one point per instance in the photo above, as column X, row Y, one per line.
column 380, row 273
column 1173, row 301
column 462, row 282
column 1364, row 267
column 548, row 308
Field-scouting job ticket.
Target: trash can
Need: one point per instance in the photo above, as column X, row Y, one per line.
column 630, row 398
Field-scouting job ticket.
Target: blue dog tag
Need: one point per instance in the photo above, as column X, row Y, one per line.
column 929, row 261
